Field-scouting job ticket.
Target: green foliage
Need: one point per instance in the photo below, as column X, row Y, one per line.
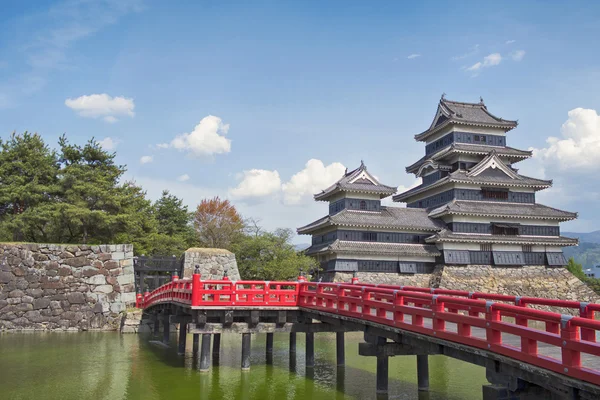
column 76, row 196
column 270, row 256
column 577, row 270
column 28, row 184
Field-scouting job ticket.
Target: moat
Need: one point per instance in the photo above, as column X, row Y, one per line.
column 89, row 365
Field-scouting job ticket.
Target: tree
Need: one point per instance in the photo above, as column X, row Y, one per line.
column 172, row 216
column 217, row 223
column 92, row 198
column 28, row 186
column 270, row 256
column 575, row 268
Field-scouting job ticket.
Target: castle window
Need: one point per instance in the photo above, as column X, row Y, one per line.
column 505, row 229
column 482, row 139
column 494, row 194
column 363, row 205
column 527, row 248
column 369, row 236
column 485, row 247
column 476, row 138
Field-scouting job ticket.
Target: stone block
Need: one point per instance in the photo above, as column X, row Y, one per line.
column 96, row 280
column 117, row 307
column 103, row 289
column 128, row 298
column 128, row 270
column 35, row 293
column 6, row 277
column 118, row 255
column 24, row 307
column 76, row 298
column 90, row 271
column 13, row 300
column 41, row 303
column 126, row 279
column 27, row 299
column 16, row 293
column 104, row 256
column 128, row 262
column 77, row 262
column 111, row 264
column 65, row 254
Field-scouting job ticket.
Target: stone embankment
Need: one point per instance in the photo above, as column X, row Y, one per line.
column 65, row 287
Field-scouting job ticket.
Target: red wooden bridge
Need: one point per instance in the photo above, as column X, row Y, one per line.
column 527, row 351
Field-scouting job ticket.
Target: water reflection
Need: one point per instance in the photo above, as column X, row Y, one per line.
column 112, row 366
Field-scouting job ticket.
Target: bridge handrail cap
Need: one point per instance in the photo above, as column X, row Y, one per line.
column 583, row 305
column 564, row 320
column 488, row 305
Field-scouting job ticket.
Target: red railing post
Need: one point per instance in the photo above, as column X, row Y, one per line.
column 398, row 302
column 587, row 333
column 354, row 280
column 569, row 334
column 492, row 316
column 528, row 346
column 196, row 289
column 138, row 300
column 437, row 307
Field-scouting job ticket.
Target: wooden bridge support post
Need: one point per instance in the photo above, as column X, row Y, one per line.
column 196, row 342
column 205, row 353
column 156, row 325
column 292, row 343
column 182, row 338
column 269, row 347
column 423, row 372
column 246, row 343
column 216, row 350
column 166, row 328
column 310, row 350
column 382, row 369
column 339, row 347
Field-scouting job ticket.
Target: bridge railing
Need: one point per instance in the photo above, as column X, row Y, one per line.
column 453, row 317
column 473, row 319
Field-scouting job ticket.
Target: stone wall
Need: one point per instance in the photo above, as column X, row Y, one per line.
column 531, row 281
column 421, row 280
column 65, row 287
column 212, row 262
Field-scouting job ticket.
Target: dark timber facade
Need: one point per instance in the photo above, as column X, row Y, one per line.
column 472, row 206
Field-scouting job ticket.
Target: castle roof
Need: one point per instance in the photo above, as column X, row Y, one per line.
column 501, row 210
column 461, row 176
column 409, row 219
column 509, row 153
column 392, row 249
column 473, row 114
column 451, row 237
column 358, row 181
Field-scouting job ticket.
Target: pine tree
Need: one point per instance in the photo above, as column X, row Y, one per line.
column 28, row 188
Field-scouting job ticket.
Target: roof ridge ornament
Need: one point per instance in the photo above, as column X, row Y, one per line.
column 443, row 96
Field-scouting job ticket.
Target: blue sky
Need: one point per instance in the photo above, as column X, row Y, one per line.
column 235, row 98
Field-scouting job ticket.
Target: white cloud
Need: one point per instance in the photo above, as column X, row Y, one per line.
column 183, row 178
column 510, row 41
column 414, row 55
column 312, row 179
column 257, row 183
column 518, row 55
column 102, row 105
column 109, row 143
column 471, row 52
column 488, row 61
column 207, row 138
column 579, row 147
column 146, row 159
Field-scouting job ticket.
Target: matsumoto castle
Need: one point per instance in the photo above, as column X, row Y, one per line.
column 471, row 208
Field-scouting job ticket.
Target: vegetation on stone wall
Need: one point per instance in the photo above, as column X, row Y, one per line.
column 577, row 270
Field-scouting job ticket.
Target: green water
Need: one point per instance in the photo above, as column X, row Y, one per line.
column 111, row 366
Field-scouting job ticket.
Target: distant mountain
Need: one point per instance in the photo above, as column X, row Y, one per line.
column 301, row 246
column 587, row 254
column 590, row 237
